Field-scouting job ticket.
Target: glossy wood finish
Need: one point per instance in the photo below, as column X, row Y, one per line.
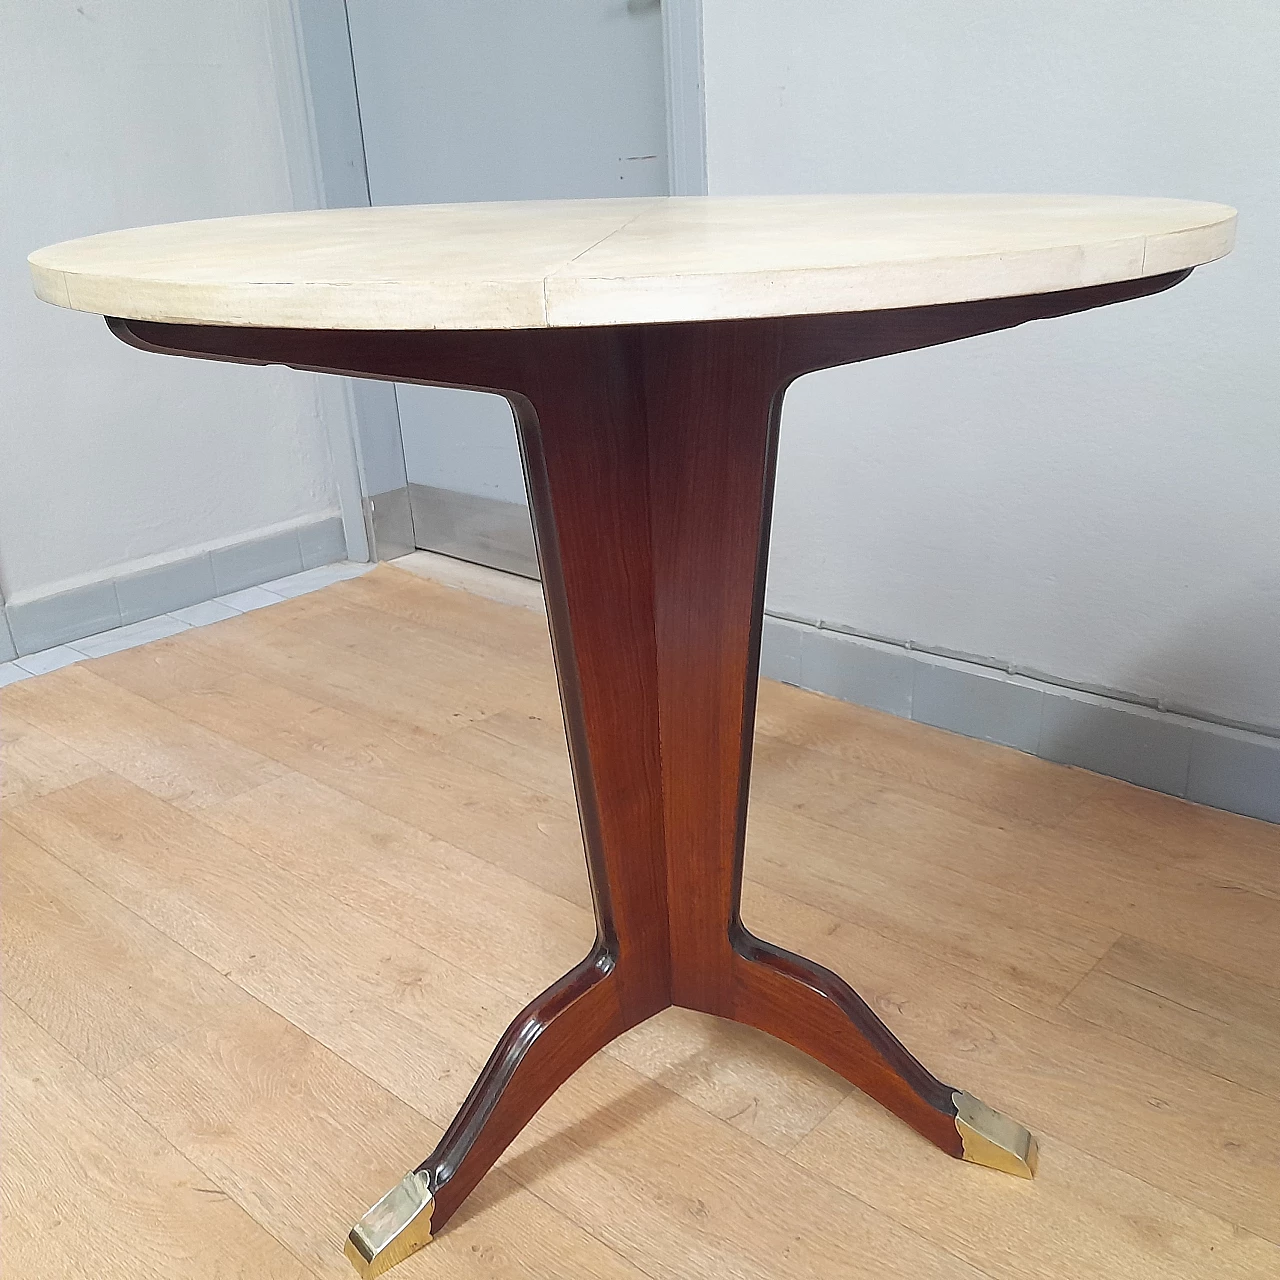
column 649, row 455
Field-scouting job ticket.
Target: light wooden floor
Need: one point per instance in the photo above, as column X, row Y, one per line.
column 273, row 888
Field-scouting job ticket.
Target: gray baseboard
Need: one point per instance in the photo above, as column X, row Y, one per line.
column 467, row 527
column 71, row 615
column 1213, row 764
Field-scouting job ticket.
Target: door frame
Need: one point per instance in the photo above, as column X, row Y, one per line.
column 367, row 413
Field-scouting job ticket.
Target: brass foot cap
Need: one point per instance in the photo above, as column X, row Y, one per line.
column 992, row 1139
column 396, row 1227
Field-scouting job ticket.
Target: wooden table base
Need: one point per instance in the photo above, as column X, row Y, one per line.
column 649, row 457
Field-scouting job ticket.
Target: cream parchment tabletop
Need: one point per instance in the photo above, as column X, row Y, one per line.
column 574, row 263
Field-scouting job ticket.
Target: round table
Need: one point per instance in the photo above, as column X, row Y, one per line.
column 645, row 346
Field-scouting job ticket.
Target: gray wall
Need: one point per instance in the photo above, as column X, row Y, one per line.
column 1097, row 498
column 115, row 462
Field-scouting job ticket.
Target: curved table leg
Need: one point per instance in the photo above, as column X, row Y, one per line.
column 549, row 1040
column 815, row 1010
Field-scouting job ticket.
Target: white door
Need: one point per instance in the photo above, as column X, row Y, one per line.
column 499, row 100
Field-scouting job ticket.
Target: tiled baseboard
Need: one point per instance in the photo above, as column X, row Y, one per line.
column 164, row 625
column 1227, row 768
column 36, row 625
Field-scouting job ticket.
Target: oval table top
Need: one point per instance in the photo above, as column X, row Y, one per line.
column 570, row 263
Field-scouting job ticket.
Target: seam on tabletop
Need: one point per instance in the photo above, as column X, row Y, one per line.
column 546, row 310
column 922, row 260
column 776, row 275
column 653, row 202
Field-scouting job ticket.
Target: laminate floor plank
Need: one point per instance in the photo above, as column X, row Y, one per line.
column 304, row 953
column 159, row 751
column 683, row 1194
column 1066, row 1223
column 1150, row 890
column 476, row 668
column 1200, row 1014
column 100, row 980
column 1225, row 848
column 461, row 614
column 880, row 746
column 1044, row 952
column 519, row 938
column 1023, row 945
column 403, row 775
column 91, row 1189
column 33, row 763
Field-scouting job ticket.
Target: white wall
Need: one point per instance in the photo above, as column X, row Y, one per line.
column 1096, row 498
column 111, row 459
